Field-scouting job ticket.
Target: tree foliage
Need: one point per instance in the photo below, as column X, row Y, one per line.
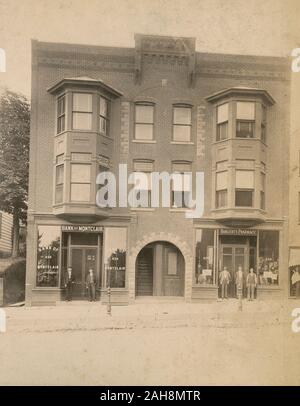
column 14, row 153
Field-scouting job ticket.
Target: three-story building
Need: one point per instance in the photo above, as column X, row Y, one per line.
column 158, row 107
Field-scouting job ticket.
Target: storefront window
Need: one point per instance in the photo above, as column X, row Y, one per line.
column 48, row 256
column 268, row 264
column 115, row 256
column 204, row 272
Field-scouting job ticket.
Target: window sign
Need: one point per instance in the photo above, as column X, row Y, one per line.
column 48, row 256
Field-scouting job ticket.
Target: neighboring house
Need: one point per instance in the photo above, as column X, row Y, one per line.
column 6, row 223
column 160, row 106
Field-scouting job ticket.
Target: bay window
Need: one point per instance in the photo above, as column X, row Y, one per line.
column 245, row 119
column 182, row 123
column 82, row 111
column 244, row 188
column 222, row 122
column 144, row 121
column 80, row 182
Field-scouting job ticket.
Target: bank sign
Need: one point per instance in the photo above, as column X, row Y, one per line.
column 82, row 229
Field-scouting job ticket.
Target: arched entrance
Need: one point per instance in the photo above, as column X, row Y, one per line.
column 159, row 270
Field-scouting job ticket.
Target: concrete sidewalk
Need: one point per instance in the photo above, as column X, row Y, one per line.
column 81, row 316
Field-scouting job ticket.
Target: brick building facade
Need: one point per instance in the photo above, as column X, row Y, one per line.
column 160, row 106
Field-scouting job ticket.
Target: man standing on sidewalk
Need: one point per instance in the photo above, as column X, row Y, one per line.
column 251, row 284
column 69, row 280
column 91, row 285
column 239, row 281
column 224, row 282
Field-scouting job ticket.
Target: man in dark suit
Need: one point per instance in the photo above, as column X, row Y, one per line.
column 91, row 285
column 69, row 280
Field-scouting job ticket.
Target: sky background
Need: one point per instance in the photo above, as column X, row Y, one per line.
column 254, row 27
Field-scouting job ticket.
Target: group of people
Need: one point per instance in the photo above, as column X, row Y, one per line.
column 251, row 282
column 90, row 284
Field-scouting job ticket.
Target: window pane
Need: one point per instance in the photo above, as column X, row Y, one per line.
column 180, row 198
column 59, row 174
column 103, row 107
column 262, row 181
column 143, row 131
column 245, row 129
column 243, row 198
column 221, row 180
column 84, row 238
column 172, row 263
column 222, row 113
column 268, row 267
column 80, row 173
column 61, row 124
column 59, row 193
column 245, row 111
column 262, row 200
column 221, row 198
column 222, row 131
column 80, row 192
column 181, row 133
column 61, row 106
column 81, row 156
column 82, row 121
column 48, row 256
column 263, row 133
column 60, row 158
column 144, row 114
column 82, row 102
column 103, row 125
column 204, row 272
column 142, row 180
column 244, row 179
column 182, row 115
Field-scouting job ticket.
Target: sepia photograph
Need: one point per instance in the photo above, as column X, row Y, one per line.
column 150, row 196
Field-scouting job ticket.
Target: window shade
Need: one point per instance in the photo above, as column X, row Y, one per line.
column 182, row 115
column 144, row 114
column 80, row 173
column 244, row 179
column 245, row 110
column 142, row 180
column 182, row 182
column 143, row 166
column 181, row 167
column 82, row 102
column 221, row 180
column 222, row 113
